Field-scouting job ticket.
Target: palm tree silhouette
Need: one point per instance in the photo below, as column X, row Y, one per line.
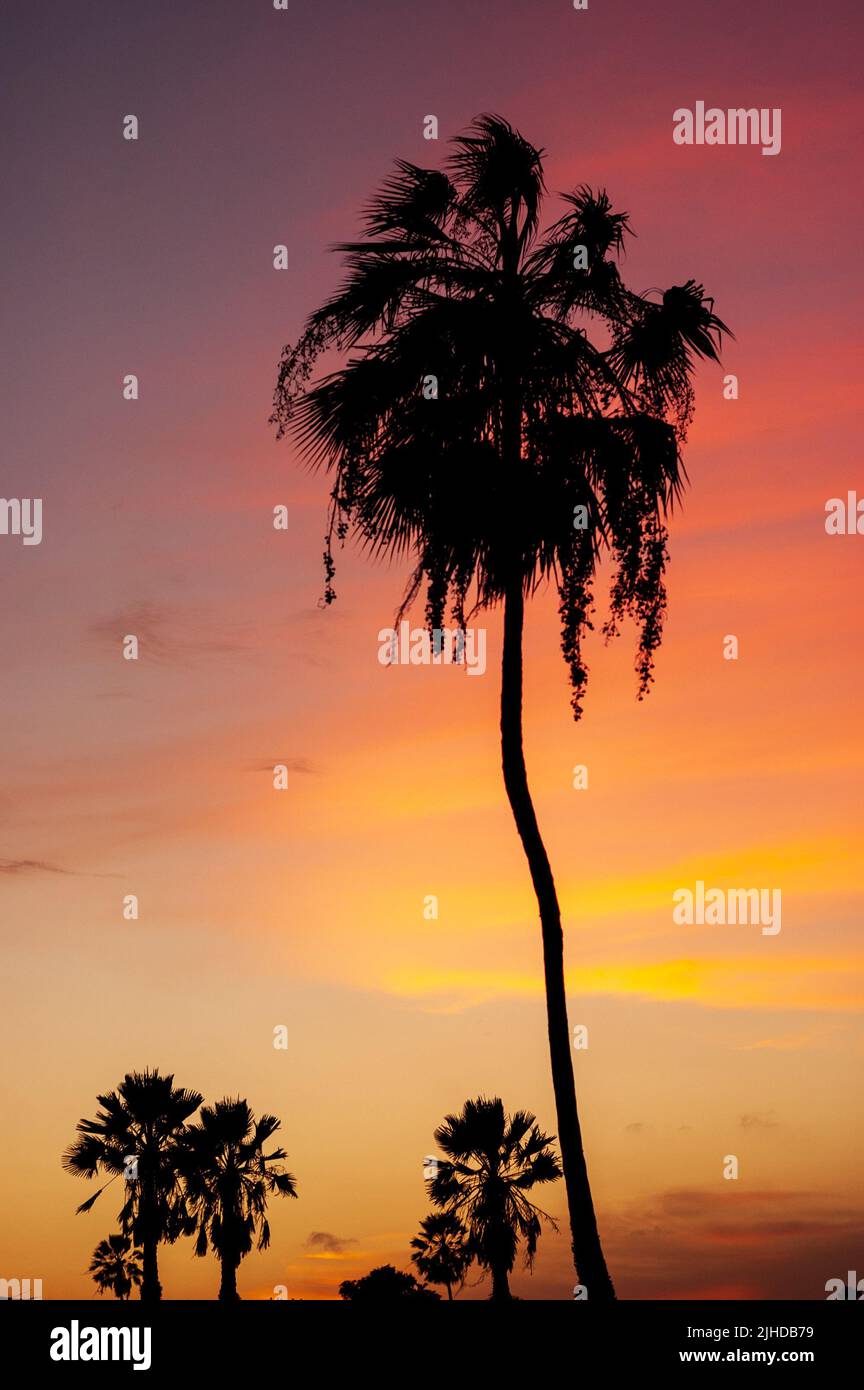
column 116, row 1266
column 135, row 1135
column 228, row 1179
column 442, row 1252
column 495, row 1160
column 477, row 429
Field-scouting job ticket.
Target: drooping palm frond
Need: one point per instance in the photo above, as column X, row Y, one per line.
column 477, row 482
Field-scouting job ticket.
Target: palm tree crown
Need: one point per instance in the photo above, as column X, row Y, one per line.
column 530, row 421
column 495, row 1160
column 442, row 1252
column 116, row 1266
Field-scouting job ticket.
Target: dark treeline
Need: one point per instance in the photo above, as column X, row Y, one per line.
column 211, row 1179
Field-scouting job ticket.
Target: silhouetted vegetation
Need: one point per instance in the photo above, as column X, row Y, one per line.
column 228, row 1179
column 212, row 1179
column 137, row 1130
column 386, row 1284
column 477, row 429
column 116, row 1266
column 442, row 1251
column 493, row 1161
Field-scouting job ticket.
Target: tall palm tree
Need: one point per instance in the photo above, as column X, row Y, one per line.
column 442, row 1252
column 141, row 1121
column 116, row 1266
column 494, row 1161
column 531, row 454
column 228, row 1179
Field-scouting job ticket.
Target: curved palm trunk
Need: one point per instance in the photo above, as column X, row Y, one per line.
column 587, row 1251
column 500, row 1284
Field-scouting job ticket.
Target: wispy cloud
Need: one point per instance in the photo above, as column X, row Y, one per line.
column 302, row 765
column 167, row 634
column 762, row 1121
column 13, row 867
column 324, row 1243
column 31, row 866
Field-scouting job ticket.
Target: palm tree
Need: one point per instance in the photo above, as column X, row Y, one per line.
column 442, row 1253
column 135, row 1135
column 495, row 1160
column 477, row 429
column 116, row 1266
column 228, row 1179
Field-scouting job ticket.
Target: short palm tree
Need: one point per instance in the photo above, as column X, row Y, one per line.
column 228, row 1179
column 136, row 1133
column 442, row 1252
column 116, row 1266
column 477, row 430
column 493, row 1161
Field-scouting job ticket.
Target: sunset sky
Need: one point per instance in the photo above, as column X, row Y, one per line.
column 305, row 907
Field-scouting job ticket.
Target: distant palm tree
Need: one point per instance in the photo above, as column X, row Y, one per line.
column 479, row 431
column 116, row 1266
column 495, row 1160
column 442, row 1253
column 228, row 1179
column 135, row 1136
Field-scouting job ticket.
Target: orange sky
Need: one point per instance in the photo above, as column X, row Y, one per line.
column 305, row 907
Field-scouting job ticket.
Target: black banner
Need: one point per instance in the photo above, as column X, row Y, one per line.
column 85, row 1340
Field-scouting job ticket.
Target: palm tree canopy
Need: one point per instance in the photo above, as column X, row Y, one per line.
column 116, row 1265
column 229, row 1177
column 142, row 1119
column 442, row 1252
column 495, row 1160
column 479, row 480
